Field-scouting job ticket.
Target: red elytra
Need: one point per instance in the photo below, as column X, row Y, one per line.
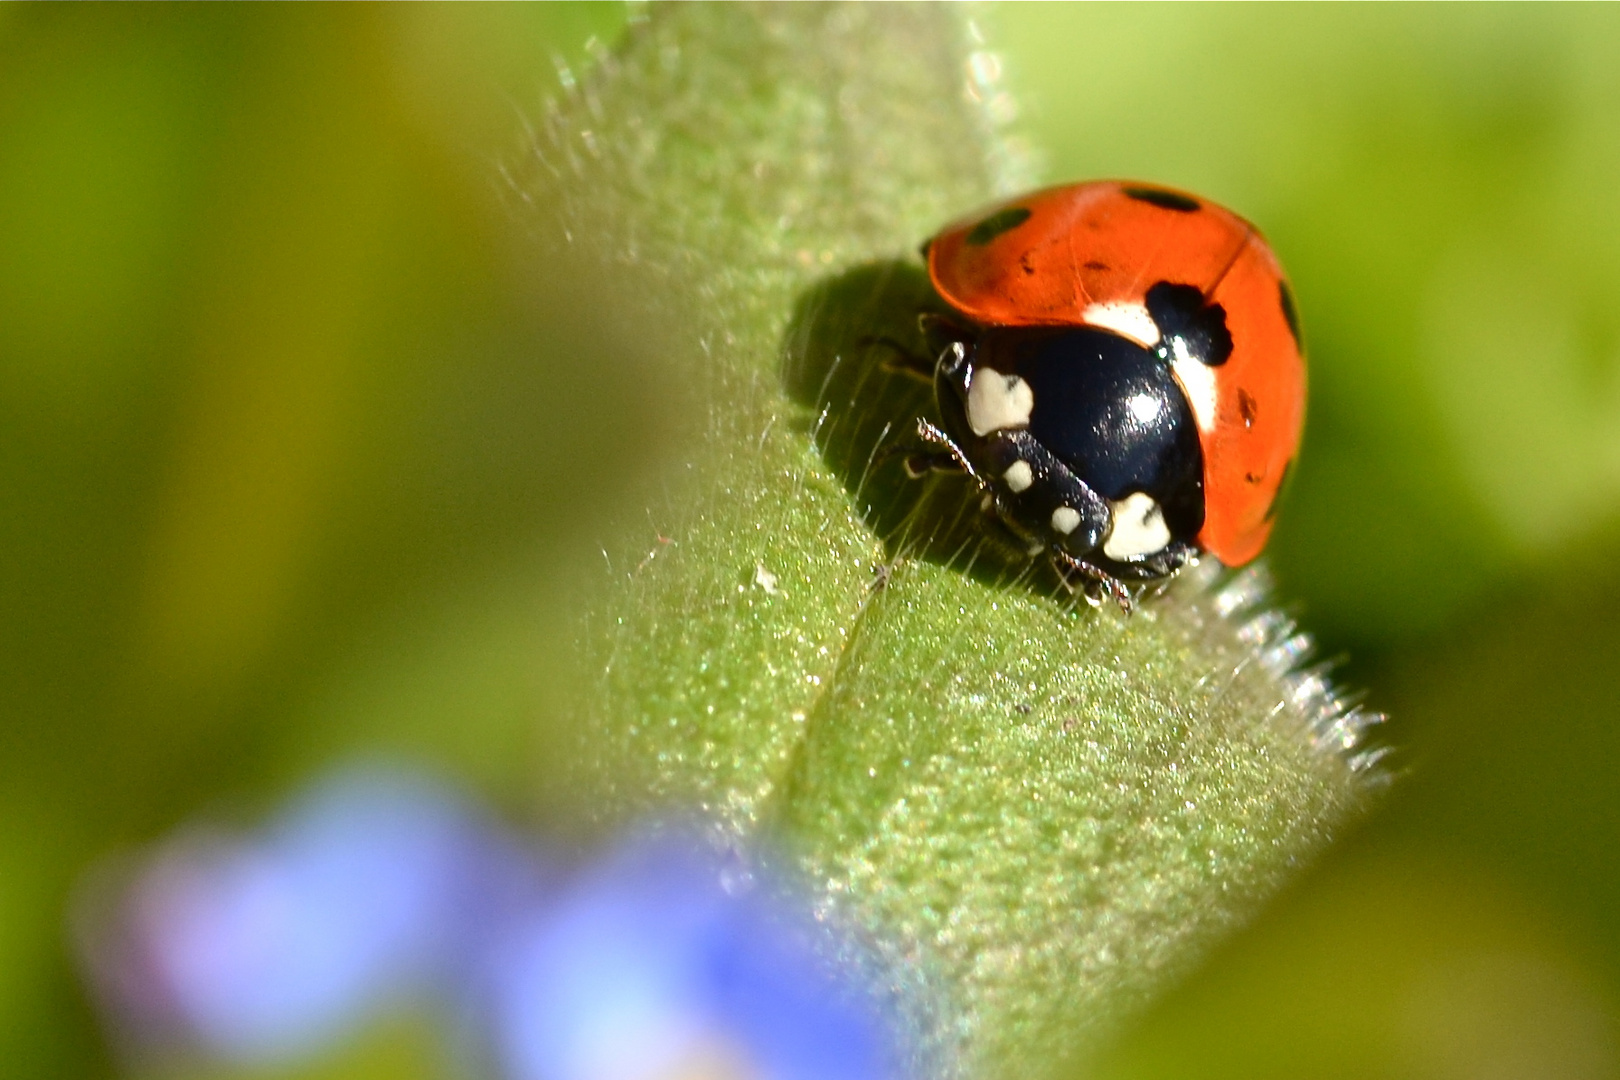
column 1108, row 242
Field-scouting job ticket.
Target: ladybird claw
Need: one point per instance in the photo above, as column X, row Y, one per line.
column 1094, row 583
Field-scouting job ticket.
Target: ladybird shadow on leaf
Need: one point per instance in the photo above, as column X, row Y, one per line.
column 855, row 358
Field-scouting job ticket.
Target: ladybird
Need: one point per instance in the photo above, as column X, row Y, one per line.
column 1120, row 372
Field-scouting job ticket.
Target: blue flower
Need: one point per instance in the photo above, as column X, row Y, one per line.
column 660, row 959
column 650, row 967
column 262, row 949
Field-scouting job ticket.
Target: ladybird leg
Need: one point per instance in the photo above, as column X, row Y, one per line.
column 949, row 454
column 1044, row 495
column 920, row 463
column 941, row 331
column 1159, row 566
column 1093, row 580
column 953, row 376
column 1002, row 534
column 899, row 359
column 1171, row 559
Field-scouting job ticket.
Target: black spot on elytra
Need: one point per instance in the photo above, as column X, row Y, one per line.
column 1180, row 312
column 1282, row 486
column 1247, row 406
column 1095, row 265
column 1285, row 296
column 1164, row 200
column 997, row 223
column 1023, row 261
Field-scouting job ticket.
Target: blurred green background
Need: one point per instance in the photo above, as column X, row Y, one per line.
column 279, row 482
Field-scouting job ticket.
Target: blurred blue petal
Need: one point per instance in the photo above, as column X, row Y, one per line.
column 649, row 967
column 661, row 960
column 362, row 892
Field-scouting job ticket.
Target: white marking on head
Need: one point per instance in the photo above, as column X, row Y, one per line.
column 997, row 402
column 1197, row 381
column 1139, row 527
column 1065, row 519
column 1145, row 407
column 1019, row 476
column 1125, row 319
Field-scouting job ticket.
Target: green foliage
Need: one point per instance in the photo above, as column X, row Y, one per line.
column 1041, row 810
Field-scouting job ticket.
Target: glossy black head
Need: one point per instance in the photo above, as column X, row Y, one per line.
column 1111, row 411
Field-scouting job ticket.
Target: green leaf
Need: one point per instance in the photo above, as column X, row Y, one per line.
column 1039, row 812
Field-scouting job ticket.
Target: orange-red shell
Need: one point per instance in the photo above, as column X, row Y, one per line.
column 1093, row 243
